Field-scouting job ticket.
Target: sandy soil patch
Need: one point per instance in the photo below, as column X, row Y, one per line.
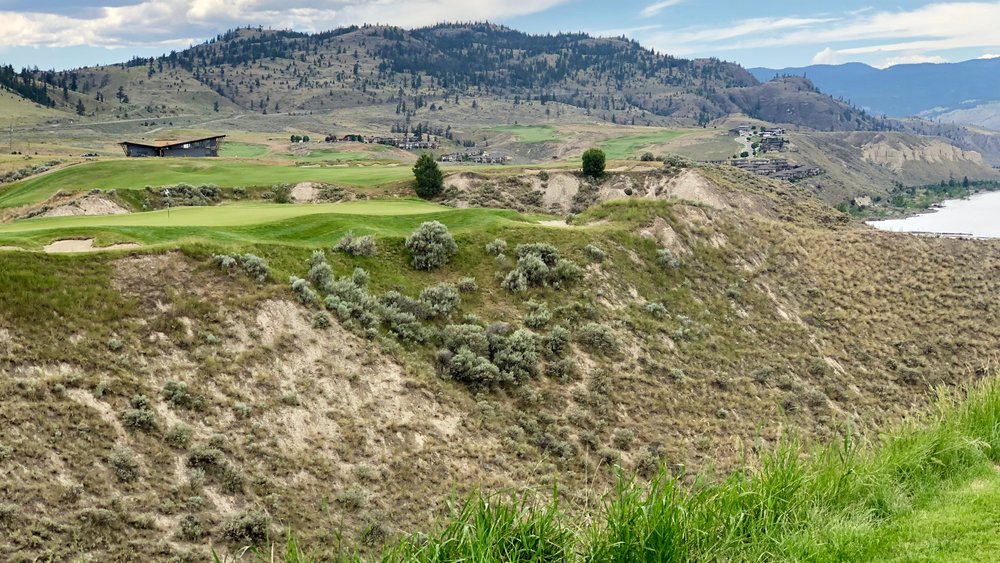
column 305, row 192
column 554, row 223
column 90, row 205
column 84, row 245
column 11, row 248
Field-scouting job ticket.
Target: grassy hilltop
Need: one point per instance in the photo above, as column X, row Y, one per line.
column 684, row 319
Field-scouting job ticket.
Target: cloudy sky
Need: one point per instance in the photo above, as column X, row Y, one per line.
column 70, row 33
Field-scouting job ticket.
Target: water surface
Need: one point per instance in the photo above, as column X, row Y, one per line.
column 977, row 216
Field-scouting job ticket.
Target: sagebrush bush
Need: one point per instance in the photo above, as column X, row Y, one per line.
column 543, row 250
column 598, row 338
column 441, row 300
column 561, row 370
column 594, row 253
column 622, row 438
column 349, row 300
column 556, row 342
column 124, row 464
column 303, row 293
column 656, row 309
column 179, row 435
column 666, row 259
column 467, row 285
column 405, row 304
column 515, row 356
column 497, row 247
column 538, row 314
column 247, row 529
column 431, row 246
column 515, row 281
column 320, row 273
column 321, row 320
column 139, row 419
column 356, row 246
column 252, row 266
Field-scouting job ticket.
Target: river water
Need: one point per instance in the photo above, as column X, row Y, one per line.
column 977, row 216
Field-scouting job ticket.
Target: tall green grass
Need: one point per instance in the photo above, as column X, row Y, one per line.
column 824, row 504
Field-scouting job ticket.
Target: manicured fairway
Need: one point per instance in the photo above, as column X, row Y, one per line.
column 132, row 174
column 254, row 223
column 628, row 146
column 530, row 133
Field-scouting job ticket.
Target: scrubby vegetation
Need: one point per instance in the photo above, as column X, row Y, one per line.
column 431, row 246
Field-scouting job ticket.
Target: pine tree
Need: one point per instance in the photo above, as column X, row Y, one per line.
column 430, row 181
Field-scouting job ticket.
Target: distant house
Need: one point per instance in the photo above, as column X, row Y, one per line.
column 206, row 146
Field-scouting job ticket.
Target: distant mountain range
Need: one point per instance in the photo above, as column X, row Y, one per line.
column 966, row 92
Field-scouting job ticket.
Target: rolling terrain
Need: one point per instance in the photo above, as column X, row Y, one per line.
column 188, row 405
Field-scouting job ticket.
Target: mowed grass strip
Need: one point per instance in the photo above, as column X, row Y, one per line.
column 255, row 223
column 527, row 134
column 627, row 146
column 134, row 174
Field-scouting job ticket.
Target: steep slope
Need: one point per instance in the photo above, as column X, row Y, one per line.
column 405, row 70
column 157, row 402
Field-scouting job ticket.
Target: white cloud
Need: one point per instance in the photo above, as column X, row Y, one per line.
column 989, row 56
column 909, row 60
column 916, row 32
column 172, row 23
column 827, row 57
column 655, row 9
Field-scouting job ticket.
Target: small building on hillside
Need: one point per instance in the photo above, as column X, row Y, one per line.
column 206, row 146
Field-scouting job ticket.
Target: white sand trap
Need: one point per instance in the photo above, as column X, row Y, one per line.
column 11, row 248
column 84, row 245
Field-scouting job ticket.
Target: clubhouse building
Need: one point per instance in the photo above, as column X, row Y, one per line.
column 207, row 146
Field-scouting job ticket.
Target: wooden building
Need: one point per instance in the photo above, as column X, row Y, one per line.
column 207, row 146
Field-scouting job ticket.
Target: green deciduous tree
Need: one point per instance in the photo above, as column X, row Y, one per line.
column 593, row 162
column 430, row 181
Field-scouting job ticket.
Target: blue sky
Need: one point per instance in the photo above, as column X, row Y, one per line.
column 70, row 33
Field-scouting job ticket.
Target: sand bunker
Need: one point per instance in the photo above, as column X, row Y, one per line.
column 84, row 245
column 90, row 205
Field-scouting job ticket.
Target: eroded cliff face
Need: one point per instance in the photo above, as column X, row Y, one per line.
column 896, row 154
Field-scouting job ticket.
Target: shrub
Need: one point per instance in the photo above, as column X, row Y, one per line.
column 349, row 299
column 497, row 247
column 205, row 458
column 179, row 435
column 515, row 281
column 534, row 269
column 401, row 302
column 303, row 292
column 125, row 466
column 515, row 356
column 647, row 157
column 593, row 163
column 623, row 438
column 538, row 315
column 666, row 259
column 139, row 419
column 191, row 528
column 594, row 253
column 320, row 273
column 252, row 266
column 247, row 529
column 609, row 456
column 232, row 479
column 566, row 271
column 465, row 366
column 467, row 285
column 431, row 246
column 468, row 336
column 598, row 338
column 556, row 341
column 351, row 499
column 360, row 246
column 429, row 179
column 656, row 309
column 243, row 410
column 561, row 370
column 281, row 193
column 441, row 299
column 321, row 320
column 543, row 250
